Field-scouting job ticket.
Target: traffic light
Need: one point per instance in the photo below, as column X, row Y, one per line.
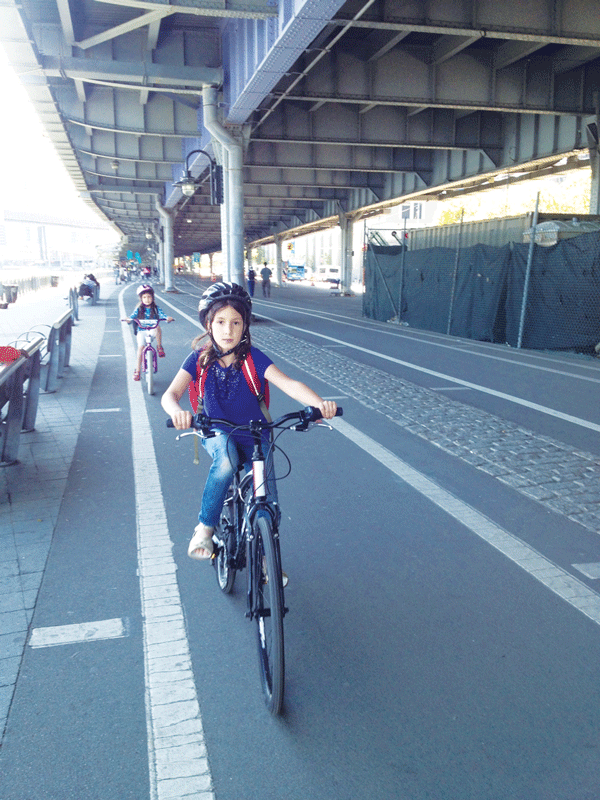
column 216, row 184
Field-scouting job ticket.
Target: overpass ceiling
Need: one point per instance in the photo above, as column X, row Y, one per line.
column 341, row 106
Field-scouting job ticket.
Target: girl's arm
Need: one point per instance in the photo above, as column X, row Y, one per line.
column 162, row 316
column 170, row 400
column 300, row 391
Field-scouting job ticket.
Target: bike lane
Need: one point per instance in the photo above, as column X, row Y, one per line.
column 77, row 726
column 420, row 662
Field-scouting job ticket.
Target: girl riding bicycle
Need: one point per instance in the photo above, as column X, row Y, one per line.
column 220, row 375
column 147, row 309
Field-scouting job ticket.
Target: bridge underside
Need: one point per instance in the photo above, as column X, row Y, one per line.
column 340, row 107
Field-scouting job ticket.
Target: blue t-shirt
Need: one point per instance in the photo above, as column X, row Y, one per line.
column 226, row 392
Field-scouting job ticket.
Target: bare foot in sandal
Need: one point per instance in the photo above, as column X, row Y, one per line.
column 201, row 545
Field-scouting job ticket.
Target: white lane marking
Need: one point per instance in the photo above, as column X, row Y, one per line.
column 591, row 570
column 79, row 632
column 430, row 339
column 551, row 412
column 466, row 384
column 448, row 389
column 100, row 410
column 566, row 586
column 433, row 339
column 177, row 756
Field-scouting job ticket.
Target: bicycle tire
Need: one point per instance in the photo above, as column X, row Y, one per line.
column 149, row 364
column 224, row 570
column 267, row 593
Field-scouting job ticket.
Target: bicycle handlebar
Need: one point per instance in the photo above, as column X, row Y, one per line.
column 307, row 415
column 145, row 327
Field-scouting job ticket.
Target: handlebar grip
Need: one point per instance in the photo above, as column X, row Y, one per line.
column 315, row 413
column 170, row 423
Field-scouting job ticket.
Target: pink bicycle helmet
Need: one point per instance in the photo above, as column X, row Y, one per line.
column 145, row 288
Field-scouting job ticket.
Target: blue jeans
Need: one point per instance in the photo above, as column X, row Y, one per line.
column 227, row 454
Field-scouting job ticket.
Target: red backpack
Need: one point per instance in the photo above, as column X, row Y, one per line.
column 196, row 388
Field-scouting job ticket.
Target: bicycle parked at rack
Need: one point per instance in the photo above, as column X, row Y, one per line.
column 248, row 536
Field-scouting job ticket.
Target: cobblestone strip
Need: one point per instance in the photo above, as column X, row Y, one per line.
column 560, row 478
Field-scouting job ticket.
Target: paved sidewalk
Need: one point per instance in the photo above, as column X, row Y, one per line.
column 31, row 491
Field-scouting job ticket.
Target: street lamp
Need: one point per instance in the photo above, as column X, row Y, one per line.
column 188, row 184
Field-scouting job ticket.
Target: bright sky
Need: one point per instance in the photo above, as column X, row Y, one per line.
column 32, row 176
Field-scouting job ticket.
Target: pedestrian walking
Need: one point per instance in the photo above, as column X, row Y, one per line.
column 265, row 274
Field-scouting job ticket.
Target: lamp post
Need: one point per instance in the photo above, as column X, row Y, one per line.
column 189, row 184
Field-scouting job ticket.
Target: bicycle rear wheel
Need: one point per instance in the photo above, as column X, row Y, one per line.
column 149, row 367
column 225, row 535
column 267, row 593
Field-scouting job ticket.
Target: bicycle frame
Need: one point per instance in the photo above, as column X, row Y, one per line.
column 148, row 346
column 248, row 537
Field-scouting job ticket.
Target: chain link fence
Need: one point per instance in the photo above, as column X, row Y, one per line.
column 523, row 294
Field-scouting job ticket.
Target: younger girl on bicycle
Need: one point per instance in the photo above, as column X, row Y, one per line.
column 214, row 373
column 147, row 309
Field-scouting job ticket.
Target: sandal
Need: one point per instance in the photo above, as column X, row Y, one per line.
column 161, row 352
column 200, row 541
column 136, row 374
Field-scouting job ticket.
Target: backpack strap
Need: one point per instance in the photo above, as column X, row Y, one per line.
column 251, row 375
column 196, row 388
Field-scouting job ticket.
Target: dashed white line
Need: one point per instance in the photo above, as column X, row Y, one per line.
column 177, row 756
column 78, row 632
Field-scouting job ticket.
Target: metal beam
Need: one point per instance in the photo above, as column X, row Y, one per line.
column 152, row 18
column 496, row 32
column 66, row 20
column 131, row 74
column 244, row 9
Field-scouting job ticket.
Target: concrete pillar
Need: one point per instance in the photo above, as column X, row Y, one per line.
column 225, row 219
column 345, row 253
column 278, row 261
column 167, row 249
column 593, row 136
column 595, row 187
column 233, row 176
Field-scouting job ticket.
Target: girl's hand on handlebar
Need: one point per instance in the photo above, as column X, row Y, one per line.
column 327, row 409
column 170, row 319
column 182, row 420
column 128, row 321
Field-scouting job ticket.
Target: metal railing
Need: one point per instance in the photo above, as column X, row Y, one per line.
column 22, row 402
column 21, row 381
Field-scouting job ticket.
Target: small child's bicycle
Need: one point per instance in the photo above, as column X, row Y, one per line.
column 248, row 536
column 149, row 353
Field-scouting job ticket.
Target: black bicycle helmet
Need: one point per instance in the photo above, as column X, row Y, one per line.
column 223, row 291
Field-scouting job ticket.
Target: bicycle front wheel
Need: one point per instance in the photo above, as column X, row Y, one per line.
column 267, row 593
column 149, row 364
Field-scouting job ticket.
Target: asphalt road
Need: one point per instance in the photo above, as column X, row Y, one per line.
column 440, row 641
